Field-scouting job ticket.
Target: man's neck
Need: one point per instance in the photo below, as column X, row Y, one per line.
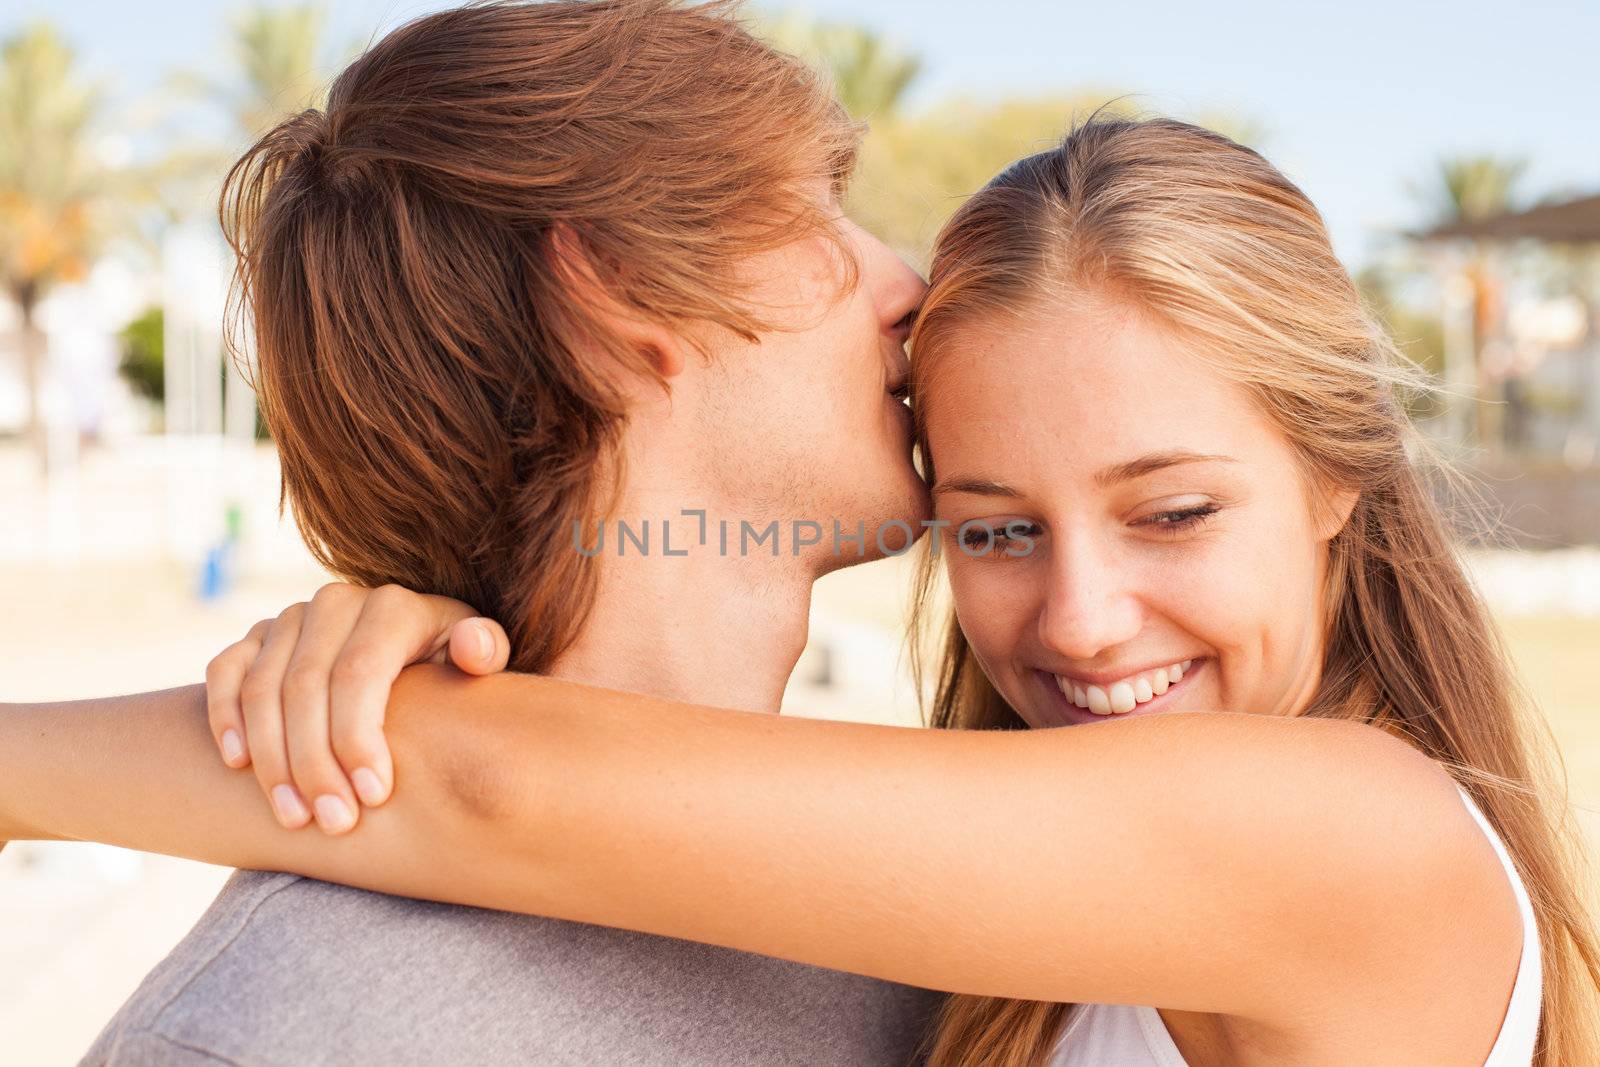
column 706, row 628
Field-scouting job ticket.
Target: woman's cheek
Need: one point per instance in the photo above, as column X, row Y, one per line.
column 1255, row 617
column 1213, row 599
column 989, row 607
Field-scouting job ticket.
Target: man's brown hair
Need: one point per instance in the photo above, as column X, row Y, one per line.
column 436, row 386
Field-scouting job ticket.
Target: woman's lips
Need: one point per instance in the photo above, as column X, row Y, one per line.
column 1120, row 698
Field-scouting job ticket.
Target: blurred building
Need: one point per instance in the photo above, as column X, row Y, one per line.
column 1532, row 358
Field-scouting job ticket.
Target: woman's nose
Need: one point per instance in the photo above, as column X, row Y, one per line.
column 1089, row 604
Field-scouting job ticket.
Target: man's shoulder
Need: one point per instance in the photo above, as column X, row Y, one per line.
column 129, row 1047
column 286, row 969
column 135, row 1036
column 290, row 970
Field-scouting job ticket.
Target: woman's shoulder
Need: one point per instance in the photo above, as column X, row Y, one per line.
column 1435, row 902
column 1394, row 819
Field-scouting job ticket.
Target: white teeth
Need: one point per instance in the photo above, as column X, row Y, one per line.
column 1119, row 698
column 1072, row 692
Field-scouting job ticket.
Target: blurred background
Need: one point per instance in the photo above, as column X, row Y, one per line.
column 1453, row 147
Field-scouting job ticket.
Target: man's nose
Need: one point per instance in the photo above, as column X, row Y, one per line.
column 897, row 288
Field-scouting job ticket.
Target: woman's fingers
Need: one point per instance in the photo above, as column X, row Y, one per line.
column 325, row 630
column 302, row 698
column 262, row 705
column 397, row 627
column 224, row 677
column 479, row 646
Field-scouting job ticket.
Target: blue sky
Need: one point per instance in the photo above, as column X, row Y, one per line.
column 1357, row 98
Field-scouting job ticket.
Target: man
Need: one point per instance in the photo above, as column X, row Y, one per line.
column 534, row 266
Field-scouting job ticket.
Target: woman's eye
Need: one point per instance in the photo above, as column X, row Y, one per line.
column 1179, row 520
column 1012, row 539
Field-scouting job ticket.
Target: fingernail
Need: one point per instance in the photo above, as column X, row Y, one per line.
column 290, row 808
column 232, row 746
column 485, row 642
column 369, row 787
column 333, row 814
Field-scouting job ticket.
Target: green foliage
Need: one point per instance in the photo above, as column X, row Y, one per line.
column 142, row 354
column 279, row 67
column 870, row 76
column 1472, row 187
column 143, row 363
column 916, row 171
column 917, row 168
column 275, row 49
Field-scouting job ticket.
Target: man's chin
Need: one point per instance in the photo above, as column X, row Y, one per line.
column 891, row 528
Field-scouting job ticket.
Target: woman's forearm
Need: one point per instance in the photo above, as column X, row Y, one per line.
column 104, row 770
column 142, row 772
column 131, row 770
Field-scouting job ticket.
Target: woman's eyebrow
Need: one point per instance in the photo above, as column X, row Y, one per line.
column 1120, row 472
column 975, row 486
column 1152, row 462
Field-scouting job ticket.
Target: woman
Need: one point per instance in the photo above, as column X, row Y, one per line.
column 1140, row 372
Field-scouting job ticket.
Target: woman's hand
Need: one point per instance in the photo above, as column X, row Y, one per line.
column 301, row 698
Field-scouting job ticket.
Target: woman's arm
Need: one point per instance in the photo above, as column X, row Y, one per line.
column 1212, row 862
column 1209, row 862
column 142, row 772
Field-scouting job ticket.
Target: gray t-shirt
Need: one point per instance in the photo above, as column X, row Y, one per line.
column 292, row 971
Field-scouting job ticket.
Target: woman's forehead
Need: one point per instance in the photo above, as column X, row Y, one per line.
column 1079, row 388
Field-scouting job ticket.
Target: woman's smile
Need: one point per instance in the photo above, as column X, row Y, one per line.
column 1076, row 700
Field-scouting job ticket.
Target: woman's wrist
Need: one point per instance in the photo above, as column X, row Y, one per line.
column 13, row 724
column 10, row 721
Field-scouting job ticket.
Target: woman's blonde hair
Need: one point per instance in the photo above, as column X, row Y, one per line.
column 1211, row 241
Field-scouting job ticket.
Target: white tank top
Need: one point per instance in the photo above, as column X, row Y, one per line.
column 1127, row 1035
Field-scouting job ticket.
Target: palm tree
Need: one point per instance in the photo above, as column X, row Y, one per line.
column 52, row 188
column 870, row 76
column 277, row 69
column 1468, row 189
column 274, row 52
column 277, row 52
